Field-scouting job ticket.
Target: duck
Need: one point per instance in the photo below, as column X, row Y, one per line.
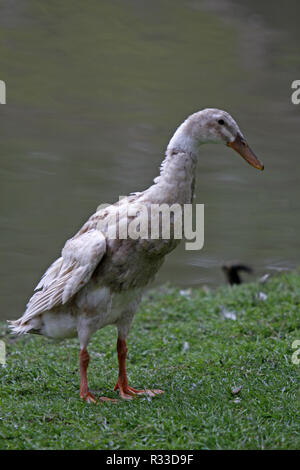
column 100, row 276
column 232, row 272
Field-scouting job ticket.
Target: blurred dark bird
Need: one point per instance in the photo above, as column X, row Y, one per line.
column 232, row 272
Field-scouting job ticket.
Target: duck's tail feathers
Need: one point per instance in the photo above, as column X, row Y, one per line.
column 17, row 327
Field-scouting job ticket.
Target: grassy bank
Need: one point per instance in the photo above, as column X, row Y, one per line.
column 179, row 342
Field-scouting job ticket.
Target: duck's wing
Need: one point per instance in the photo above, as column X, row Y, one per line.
column 68, row 274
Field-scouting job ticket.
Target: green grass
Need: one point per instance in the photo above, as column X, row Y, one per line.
column 41, row 409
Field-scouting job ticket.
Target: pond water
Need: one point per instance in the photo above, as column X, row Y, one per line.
column 95, row 91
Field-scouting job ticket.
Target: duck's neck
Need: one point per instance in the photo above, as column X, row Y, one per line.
column 176, row 181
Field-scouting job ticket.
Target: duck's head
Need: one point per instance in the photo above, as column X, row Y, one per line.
column 212, row 126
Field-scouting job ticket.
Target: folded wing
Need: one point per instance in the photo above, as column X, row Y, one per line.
column 68, row 274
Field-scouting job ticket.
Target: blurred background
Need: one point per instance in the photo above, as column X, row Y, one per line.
column 95, row 90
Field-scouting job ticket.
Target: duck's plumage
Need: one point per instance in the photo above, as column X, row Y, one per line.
column 68, row 274
column 99, row 278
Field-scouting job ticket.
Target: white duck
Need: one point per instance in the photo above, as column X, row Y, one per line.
column 99, row 280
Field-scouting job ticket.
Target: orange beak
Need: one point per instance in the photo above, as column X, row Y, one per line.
column 241, row 147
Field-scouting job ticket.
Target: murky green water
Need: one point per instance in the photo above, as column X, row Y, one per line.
column 95, row 90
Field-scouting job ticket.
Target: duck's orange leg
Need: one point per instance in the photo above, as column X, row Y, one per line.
column 85, row 394
column 127, row 392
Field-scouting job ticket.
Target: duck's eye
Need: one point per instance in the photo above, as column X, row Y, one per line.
column 221, row 121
